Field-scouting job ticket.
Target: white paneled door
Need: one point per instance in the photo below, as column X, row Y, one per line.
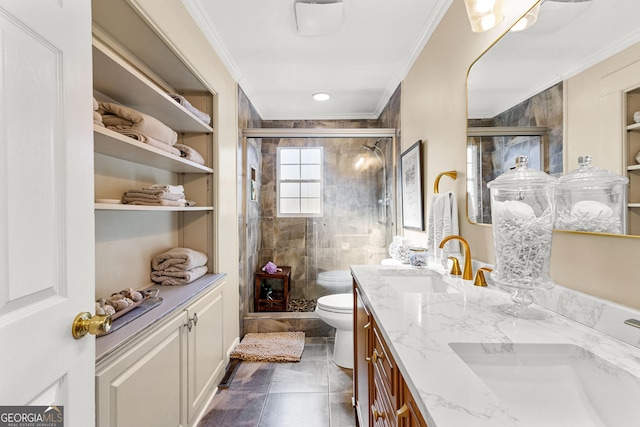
column 46, row 205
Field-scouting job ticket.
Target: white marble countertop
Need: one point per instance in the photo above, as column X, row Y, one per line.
column 419, row 325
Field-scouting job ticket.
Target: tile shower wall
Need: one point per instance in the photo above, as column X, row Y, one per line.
column 352, row 228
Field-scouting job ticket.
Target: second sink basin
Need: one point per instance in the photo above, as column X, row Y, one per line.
column 551, row 385
column 418, row 280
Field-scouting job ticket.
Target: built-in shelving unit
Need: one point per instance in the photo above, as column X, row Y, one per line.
column 631, row 149
column 181, row 338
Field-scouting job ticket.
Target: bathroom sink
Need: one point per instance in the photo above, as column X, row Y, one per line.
column 417, row 280
column 552, row 385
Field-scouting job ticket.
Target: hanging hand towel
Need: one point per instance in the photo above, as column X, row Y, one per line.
column 442, row 222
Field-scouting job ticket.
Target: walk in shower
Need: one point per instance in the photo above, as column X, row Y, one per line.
column 317, row 216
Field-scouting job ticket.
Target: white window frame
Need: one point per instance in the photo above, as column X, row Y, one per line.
column 301, row 182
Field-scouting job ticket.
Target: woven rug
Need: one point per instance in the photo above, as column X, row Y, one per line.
column 270, row 347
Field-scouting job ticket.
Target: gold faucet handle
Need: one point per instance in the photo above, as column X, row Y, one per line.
column 480, row 280
column 455, row 268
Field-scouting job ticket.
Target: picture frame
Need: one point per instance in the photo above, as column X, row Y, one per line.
column 411, row 183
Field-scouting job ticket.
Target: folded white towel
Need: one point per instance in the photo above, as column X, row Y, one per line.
column 174, row 189
column 177, row 276
column 138, row 121
column 182, row 258
column 95, row 104
column 187, row 105
column 442, row 222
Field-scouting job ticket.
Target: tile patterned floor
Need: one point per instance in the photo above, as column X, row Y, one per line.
column 314, row 392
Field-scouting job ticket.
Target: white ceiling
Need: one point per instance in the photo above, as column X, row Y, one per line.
column 361, row 65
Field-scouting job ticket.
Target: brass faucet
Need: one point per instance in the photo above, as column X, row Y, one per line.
column 467, row 272
column 455, row 268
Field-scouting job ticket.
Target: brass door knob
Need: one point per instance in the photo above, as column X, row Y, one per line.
column 85, row 323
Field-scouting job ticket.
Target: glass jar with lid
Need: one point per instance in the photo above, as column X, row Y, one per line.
column 591, row 199
column 522, row 212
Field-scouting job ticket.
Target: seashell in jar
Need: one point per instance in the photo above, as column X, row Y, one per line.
column 591, row 209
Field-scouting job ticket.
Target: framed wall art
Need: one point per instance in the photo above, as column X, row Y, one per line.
column 411, row 181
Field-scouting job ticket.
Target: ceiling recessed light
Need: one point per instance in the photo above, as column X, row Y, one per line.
column 321, row 96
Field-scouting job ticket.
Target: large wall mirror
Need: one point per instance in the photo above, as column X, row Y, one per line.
column 519, row 102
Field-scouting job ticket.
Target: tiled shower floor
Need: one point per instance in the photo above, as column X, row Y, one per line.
column 302, row 305
column 314, row 392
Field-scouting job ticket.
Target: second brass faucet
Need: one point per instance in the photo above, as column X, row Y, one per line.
column 467, row 272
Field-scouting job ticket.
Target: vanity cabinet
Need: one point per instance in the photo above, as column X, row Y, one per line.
column 632, row 148
column 165, row 376
column 378, row 383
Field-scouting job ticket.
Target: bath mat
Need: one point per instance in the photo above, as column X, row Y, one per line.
column 270, row 347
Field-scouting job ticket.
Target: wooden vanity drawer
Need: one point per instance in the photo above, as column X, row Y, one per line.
column 382, row 412
column 381, row 358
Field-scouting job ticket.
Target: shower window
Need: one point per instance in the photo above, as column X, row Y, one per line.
column 299, row 182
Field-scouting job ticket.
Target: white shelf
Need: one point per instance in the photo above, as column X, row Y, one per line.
column 116, row 145
column 634, row 127
column 122, row 82
column 124, row 207
column 633, row 167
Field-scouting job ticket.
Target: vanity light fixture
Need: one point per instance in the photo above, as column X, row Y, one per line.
column 527, row 20
column 318, row 17
column 484, row 14
column 321, row 96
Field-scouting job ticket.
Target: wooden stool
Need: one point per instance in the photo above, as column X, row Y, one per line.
column 272, row 290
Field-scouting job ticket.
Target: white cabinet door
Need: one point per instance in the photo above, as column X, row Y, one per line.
column 205, row 350
column 144, row 386
column 46, row 210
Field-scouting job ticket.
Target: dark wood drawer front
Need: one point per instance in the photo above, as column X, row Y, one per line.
column 381, row 358
column 382, row 412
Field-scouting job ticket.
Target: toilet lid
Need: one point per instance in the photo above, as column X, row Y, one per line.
column 337, row 303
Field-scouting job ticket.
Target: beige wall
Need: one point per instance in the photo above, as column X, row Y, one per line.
column 434, row 110
column 173, row 21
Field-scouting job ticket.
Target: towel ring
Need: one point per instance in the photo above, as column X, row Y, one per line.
column 451, row 174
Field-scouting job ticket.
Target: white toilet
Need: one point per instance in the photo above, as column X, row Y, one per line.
column 337, row 311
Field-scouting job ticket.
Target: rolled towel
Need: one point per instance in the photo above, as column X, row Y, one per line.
column 187, row 105
column 95, row 104
column 176, row 276
column 138, row 136
column 182, row 258
column 190, row 153
column 140, row 122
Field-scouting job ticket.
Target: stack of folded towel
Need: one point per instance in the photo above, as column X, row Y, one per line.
column 157, row 195
column 178, row 266
column 139, row 126
column 97, row 117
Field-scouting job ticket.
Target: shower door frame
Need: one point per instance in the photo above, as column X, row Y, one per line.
column 306, row 133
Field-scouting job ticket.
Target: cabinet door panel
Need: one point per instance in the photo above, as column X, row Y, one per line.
column 362, row 350
column 206, row 352
column 144, row 386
